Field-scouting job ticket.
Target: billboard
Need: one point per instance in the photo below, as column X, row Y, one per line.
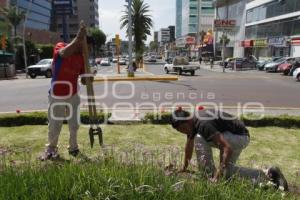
column 224, row 24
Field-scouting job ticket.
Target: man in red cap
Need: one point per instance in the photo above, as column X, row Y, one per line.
column 68, row 65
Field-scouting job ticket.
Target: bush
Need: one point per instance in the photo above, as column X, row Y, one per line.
column 284, row 121
column 40, row 118
column 46, row 51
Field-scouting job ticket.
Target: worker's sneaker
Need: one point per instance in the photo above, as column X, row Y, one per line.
column 74, row 153
column 49, row 154
column 277, row 178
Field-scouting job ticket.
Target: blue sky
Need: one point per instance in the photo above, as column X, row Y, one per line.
column 162, row 11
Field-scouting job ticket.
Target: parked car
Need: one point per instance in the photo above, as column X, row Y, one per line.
column 42, row 68
column 98, row 61
column 287, row 66
column 226, row 61
column 265, row 60
column 242, row 63
column 180, row 65
column 296, row 74
column 105, row 62
column 273, row 66
column 122, row 61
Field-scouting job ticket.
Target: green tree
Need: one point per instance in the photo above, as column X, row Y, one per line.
column 99, row 39
column 141, row 26
column 14, row 16
column 225, row 39
column 153, row 46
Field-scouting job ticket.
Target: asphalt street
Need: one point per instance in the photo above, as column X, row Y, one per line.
column 228, row 89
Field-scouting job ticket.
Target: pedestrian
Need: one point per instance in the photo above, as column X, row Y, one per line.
column 68, row 65
column 200, row 60
column 207, row 129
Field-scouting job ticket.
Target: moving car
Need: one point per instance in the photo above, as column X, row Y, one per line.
column 122, row 61
column 273, row 66
column 180, row 65
column 42, row 68
column 296, row 74
column 151, row 59
column 242, row 63
column 105, row 62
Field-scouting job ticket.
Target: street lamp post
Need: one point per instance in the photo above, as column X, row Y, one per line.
column 24, row 46
column 130, row 68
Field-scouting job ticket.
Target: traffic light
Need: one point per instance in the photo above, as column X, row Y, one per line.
column 117, row 40
column 3, row 42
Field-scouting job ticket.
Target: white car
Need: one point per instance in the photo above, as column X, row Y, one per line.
column 296, row 74
column 105, row 62
column 180, row 65
column 122, row 61
column 115, row 60
column 42, row 68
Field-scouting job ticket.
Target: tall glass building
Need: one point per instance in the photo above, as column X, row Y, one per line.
column 39, row 12
column 190, row 16
column 178, row 18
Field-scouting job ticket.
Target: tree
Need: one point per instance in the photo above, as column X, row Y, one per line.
column 153, row 46
column 14, row 16
column 225, row 39
column 99, row 38
column 141, row 26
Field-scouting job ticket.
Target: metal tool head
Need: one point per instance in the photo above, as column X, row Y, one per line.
column 93, row 132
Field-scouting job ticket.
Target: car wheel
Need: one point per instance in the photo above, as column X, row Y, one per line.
column 32, row 76
column 48, row 74
column 166, row 70
column 298, row 77
column 179, row 72
column 192, row 73
column 286, row 72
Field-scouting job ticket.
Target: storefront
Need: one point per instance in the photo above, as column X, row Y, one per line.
column 295, row 47
column 248, row 47
column 279, row 46
column 260, row 48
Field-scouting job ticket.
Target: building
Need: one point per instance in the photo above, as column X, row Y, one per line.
column 178, row 18
column 155, row 39
column 172, row 33
column 37, row 26
column 273, row 28
column 86, row 10
column 197, row 16
column 163, row 36
column 39, row 13
column 231, row 10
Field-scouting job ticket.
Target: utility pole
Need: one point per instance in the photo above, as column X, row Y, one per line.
column 24, row 44
column 130, row 67
column 199, row 7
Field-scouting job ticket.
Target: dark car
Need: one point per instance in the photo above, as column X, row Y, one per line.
column 242, row 64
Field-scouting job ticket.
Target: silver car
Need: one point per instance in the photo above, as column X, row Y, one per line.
column 42, row 68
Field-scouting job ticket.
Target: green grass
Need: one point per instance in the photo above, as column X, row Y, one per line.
column 141, row 151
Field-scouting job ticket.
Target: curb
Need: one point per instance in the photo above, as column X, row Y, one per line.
column 138, row 78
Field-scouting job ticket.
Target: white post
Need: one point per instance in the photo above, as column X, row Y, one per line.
column 130, row 68
column 24, row 27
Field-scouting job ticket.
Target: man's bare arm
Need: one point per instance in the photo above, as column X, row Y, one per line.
column 225, row 153
column 189, row 147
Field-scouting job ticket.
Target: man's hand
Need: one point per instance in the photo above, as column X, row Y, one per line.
column 84, row 80
column 82, row 32
column 217, row 175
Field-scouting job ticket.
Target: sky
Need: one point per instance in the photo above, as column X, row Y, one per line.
column 110, row 11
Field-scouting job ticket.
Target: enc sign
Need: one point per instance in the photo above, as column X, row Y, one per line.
column 224, row 24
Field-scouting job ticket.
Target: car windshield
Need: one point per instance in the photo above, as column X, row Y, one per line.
column 44, row 62
column 280, row 60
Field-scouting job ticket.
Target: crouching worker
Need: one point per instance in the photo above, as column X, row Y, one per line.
column 64, row 101
column 207, row 129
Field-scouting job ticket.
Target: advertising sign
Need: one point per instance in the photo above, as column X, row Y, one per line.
column 224, row 24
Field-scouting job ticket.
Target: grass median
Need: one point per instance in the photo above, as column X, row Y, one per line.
column 150, row 148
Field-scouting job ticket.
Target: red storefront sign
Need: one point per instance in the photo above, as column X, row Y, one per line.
column 247, row 43
column 190, row 40
column 295, row 41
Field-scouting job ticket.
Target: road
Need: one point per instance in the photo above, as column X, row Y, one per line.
column 229, row 89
